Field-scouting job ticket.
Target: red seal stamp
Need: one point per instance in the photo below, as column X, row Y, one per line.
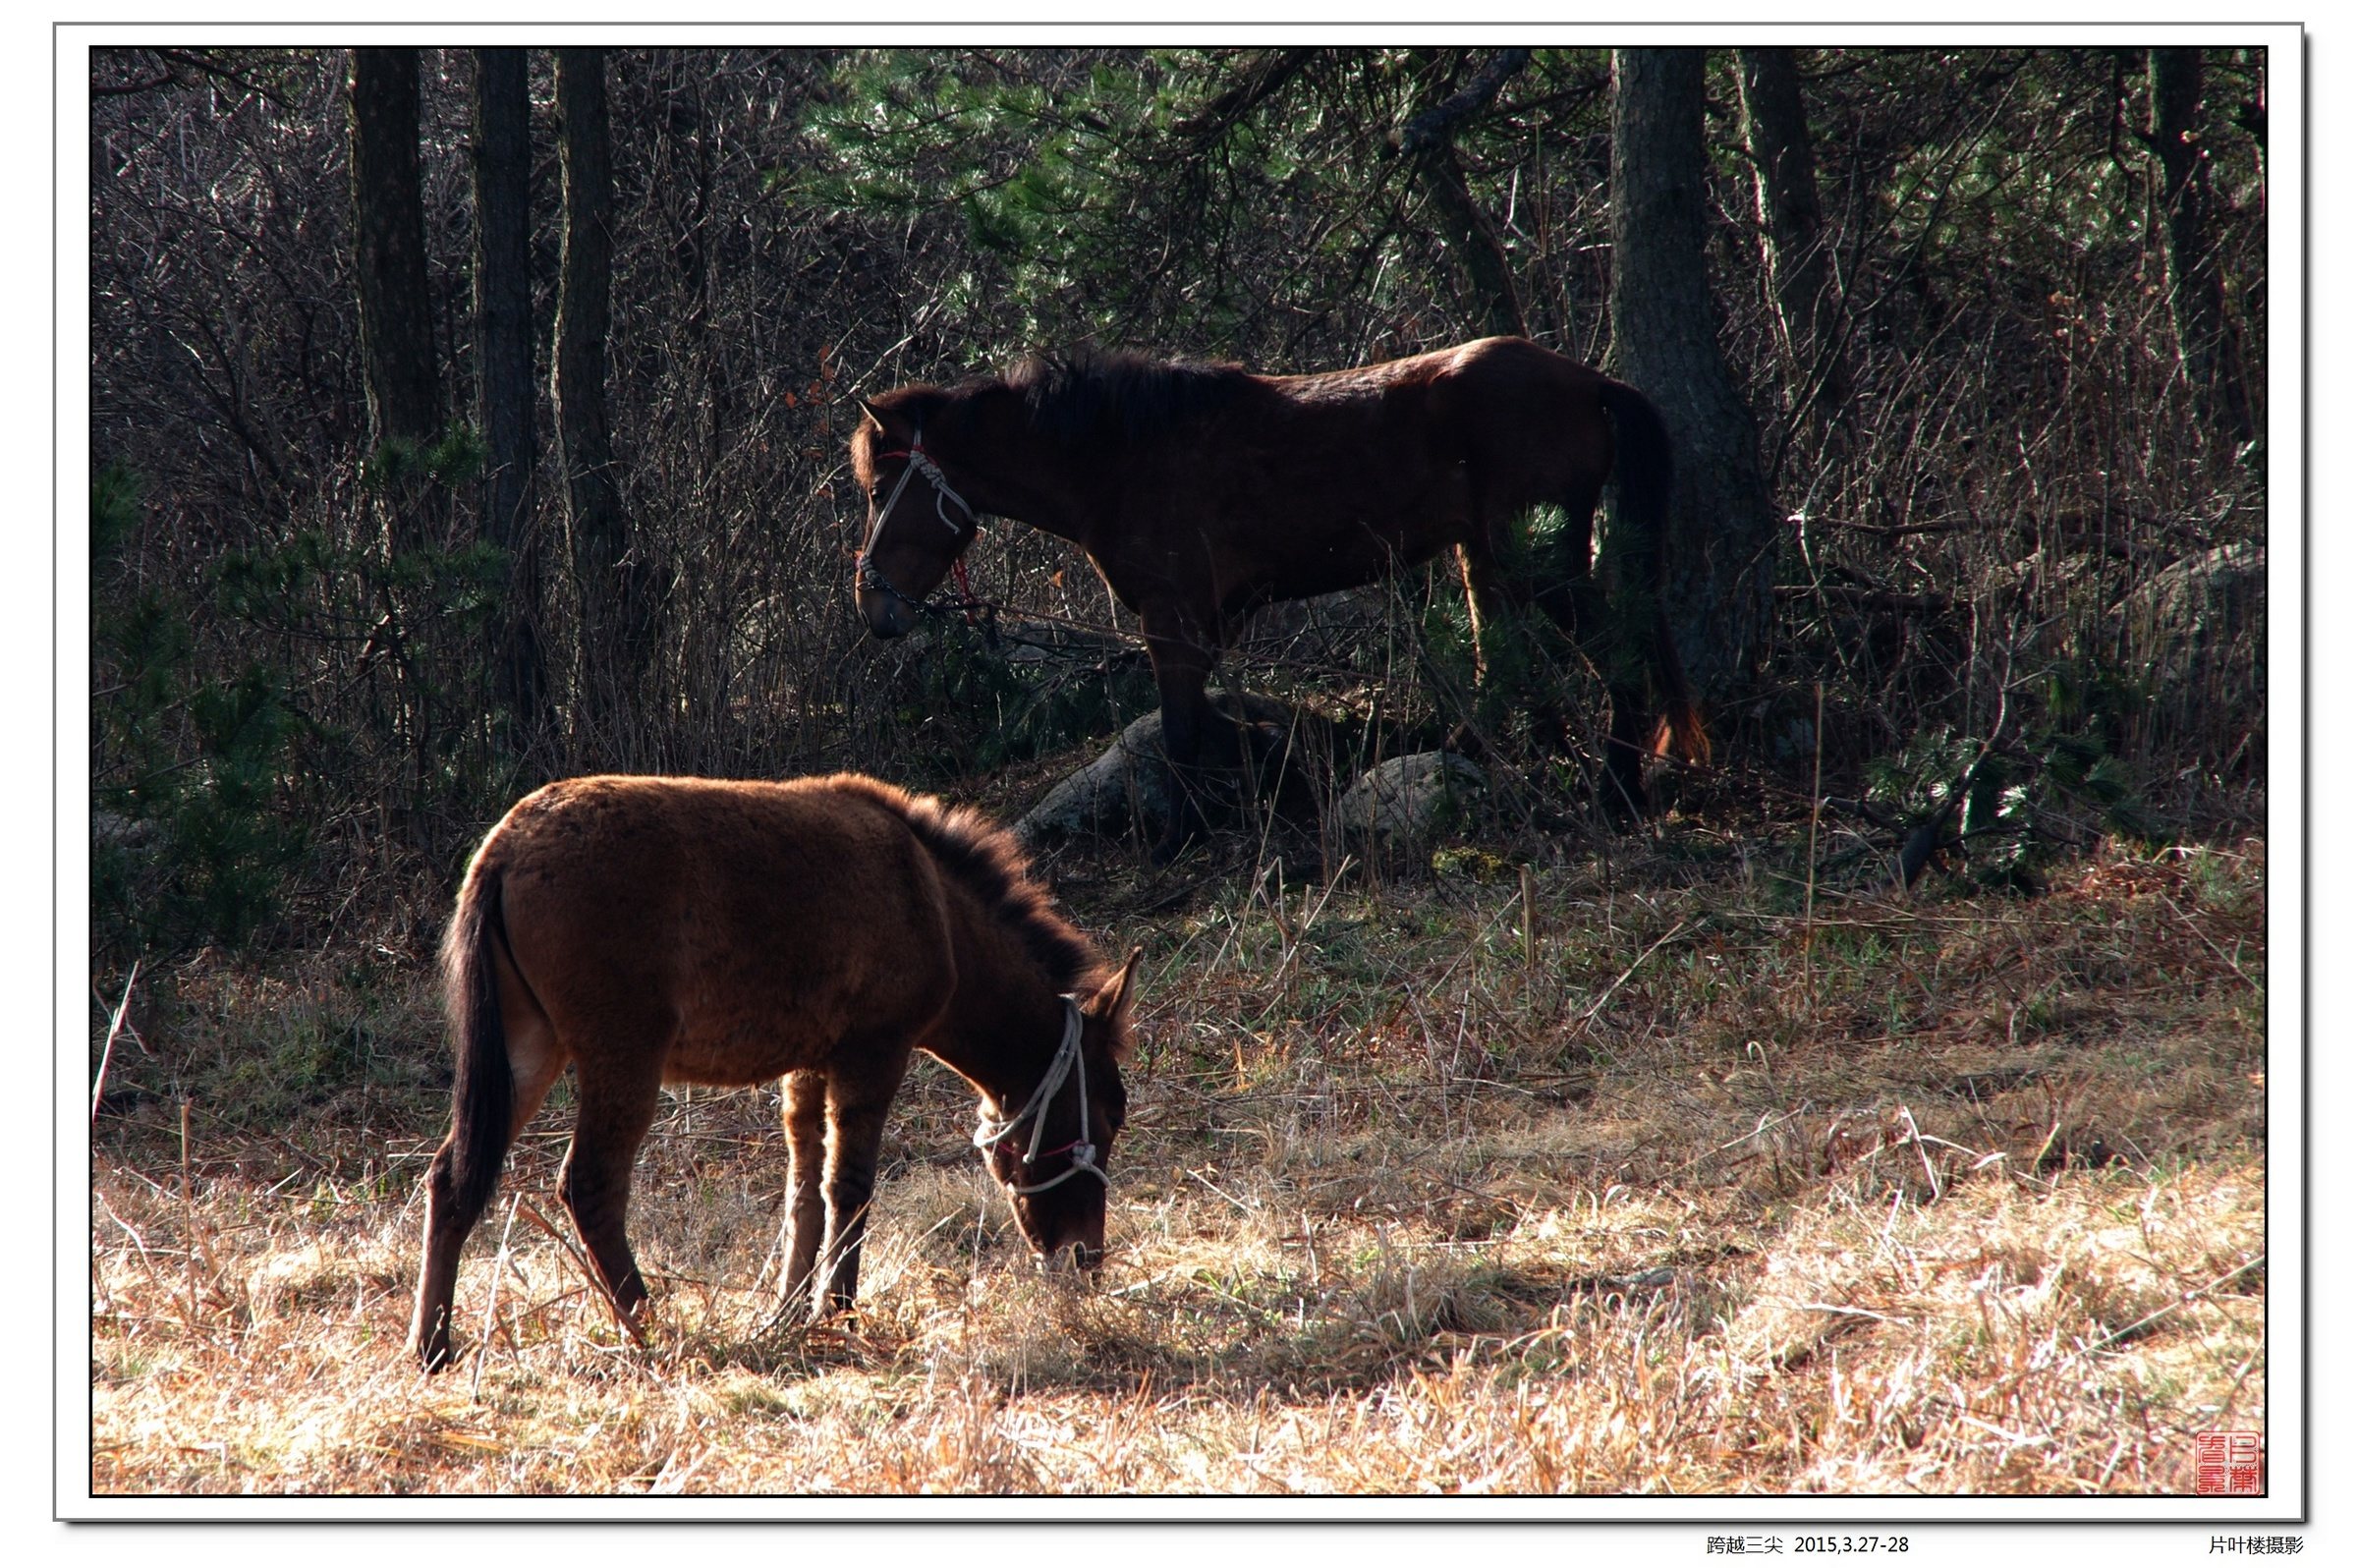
column 2226, row 1464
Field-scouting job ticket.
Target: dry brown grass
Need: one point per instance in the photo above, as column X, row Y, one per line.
column 1956, row 1195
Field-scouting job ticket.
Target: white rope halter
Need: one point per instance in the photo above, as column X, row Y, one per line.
column 919, row 463
column 865, row 571
column 1067, row 1061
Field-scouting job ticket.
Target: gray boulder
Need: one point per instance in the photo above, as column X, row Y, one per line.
column 1412, row 797
column 1126, row 789
column 2196, row 631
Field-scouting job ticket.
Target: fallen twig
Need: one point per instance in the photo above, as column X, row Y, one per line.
column 1582, row 1023
column 114, row 1030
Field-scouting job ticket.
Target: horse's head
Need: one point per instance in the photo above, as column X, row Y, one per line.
column 917, row 524
column 1057, row 1182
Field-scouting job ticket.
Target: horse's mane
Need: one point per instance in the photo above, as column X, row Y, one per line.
column 987, row 861
column 1087, row 393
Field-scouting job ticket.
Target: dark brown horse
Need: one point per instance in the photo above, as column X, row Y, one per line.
column 654, row 930
column 1202, row 491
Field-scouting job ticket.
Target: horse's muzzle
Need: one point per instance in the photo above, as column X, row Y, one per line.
column 1078, row 1257
column 887, row 615
column 1076, row 1246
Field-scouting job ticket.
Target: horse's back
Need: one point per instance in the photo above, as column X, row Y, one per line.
column 1529, row 419
column 750, row 922
column 1493, row 377
column 1507, row 422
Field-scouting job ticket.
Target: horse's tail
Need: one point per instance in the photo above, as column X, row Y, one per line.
column 1642, row 465
column 483, row 1094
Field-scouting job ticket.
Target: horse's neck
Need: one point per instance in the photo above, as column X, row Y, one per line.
column 1049, row 507
column 1006, row 1020
column 1018, row 472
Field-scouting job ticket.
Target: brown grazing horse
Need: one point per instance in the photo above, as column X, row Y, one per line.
column 1202, row 491
column 654, row 930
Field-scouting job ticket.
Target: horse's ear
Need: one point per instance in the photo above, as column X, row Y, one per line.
column 869, row 411
column 1114, row 995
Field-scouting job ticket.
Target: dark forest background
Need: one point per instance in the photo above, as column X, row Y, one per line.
column 467, row 419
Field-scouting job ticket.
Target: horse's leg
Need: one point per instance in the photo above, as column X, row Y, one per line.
column 1183, row 657
column 860, row 1089
column 1494, row 600
column 619, row 1093
column 1485, row 602
column 1497, row 602
column 1566, row 593
column 806, row 1193
column 1572, row 598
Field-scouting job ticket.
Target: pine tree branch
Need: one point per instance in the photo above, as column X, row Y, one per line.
column 1435, row 125
column 1261, row 81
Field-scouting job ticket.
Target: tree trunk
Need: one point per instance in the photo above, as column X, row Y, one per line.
column 616, row 623
column 503, row 312
column 1718, row 562
column 1801, row 267
column 2197, row 297
column 689, row 161
column 1471, row 235
column 399, row 373
column 388, row 225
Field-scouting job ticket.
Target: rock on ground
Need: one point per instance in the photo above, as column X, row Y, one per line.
column 2197, row 633
column 1127, row 788
column 1408, row 796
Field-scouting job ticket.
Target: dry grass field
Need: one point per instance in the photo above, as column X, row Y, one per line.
column 1683, row 1190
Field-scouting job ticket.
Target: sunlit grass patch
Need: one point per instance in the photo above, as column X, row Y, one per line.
column 1677, row 1196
